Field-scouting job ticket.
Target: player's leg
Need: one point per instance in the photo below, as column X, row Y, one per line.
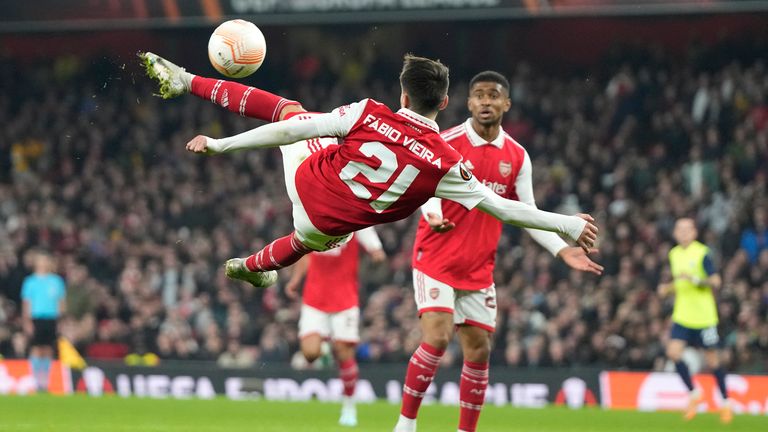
column 314, row 328
column 345, row 334
column 434, row 301
column 311, row 346
column 238, row 98
column 259, row 268
column 679, row 339
column 710, row 340
column 476, row 315
column 46, row 356
column 41, row 351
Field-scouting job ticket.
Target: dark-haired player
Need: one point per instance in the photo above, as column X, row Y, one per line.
column 453, row 271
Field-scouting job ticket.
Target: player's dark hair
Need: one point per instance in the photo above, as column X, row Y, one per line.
column 425, row 81
column 490, row 76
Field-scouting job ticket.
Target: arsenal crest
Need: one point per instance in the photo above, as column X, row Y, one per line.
column 434, row 293
column 505, row 168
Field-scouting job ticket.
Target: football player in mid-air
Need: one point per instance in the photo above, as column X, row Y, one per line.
column 389, row 164
column 694, row 317
column 330, row 297
column 453, row 271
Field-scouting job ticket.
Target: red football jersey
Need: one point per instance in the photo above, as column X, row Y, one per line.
column 390, row 163
column 331, row 283
column 464, row 257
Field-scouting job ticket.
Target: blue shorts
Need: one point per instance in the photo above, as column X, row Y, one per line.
column 706, row 337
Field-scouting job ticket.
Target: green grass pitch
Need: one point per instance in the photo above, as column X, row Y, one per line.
column 84, row 414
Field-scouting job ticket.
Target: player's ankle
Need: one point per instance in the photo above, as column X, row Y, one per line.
column 186, row 79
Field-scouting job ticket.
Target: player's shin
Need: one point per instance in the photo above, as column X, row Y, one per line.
column 278, row 254
column 685, row 374
column 348, row 373
column 241, row 99
column 474, row 381
column 421, row 371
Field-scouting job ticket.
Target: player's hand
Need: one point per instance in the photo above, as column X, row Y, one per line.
column 292, row 288
column 577, row 258
column 439, row 224
column 663, row 289
column 199, row 144
column 378, row 256
column 588, row 236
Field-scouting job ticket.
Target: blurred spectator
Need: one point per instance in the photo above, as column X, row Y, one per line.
column 235, row 356
column 754, row 240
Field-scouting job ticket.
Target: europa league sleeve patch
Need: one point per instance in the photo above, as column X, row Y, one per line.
column 465, row 173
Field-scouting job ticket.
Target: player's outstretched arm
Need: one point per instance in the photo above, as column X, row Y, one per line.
column 459, row 185
column 578, row 227
column 270, row 135
column 336, row 123
column 238, row 98
column 575, row 257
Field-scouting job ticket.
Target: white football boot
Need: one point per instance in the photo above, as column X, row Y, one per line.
column 348, row 413
column 173, row 80
column 235, row 269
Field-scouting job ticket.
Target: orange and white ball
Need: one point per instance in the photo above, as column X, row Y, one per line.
column 237, row 48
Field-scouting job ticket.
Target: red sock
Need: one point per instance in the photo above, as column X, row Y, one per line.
column 238, row 98
column 474, row 381
column 278, row 254
column 348, row 375
column 421, row 371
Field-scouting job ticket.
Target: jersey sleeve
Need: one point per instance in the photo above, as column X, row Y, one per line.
column 524, row 188
column 26, row 289
column 433, row 205
column 341, row 120
column 336, row 123
column 369, row 239
column 459, row 185
column 709, row 264
column 62, row 287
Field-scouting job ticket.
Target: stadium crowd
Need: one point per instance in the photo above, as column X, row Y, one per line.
column 93, row 169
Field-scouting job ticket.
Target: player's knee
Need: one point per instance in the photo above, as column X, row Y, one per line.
column 674, row 353
column 311, row 351
column 311, row 354
column 438, row 338
column 476, row 349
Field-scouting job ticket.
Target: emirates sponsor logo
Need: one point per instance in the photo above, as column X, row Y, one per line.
column 505, row 168
column 498, row 188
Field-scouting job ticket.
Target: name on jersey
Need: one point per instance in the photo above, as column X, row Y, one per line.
column 396, row 136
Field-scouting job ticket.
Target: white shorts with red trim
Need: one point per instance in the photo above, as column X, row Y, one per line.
column 476, row 308
column 342, row 326
column 293, row 156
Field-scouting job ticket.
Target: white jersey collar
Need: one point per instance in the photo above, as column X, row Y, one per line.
column 478, row 141
column 418, row 118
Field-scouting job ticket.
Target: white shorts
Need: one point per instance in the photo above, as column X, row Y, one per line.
column 475, row 308
column 342, row 326
column 293, row 156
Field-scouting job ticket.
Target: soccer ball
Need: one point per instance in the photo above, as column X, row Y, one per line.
column 237, row 48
